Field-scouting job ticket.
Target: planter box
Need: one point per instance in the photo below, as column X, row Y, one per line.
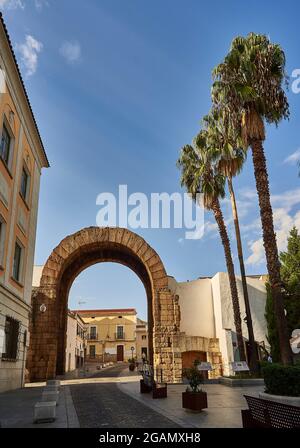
column 131, row 367
column 159, row 390
column 241, row 382
column 292, row 401
column 195, row 401
column 145, row 388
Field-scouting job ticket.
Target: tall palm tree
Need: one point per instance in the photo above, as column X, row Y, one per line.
column 198, row 176
column 248, row 87
column 230, row 158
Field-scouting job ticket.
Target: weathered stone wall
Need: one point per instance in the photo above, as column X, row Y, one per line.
column 167, row 354
column 208, row 345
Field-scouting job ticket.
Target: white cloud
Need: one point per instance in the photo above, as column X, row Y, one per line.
column 12, row 4
column 293, row 158
column 284, row 219
column 257, row 252
column 29, row 53
column 288, row 198
column 71, row 51
column 39, row 4
column 15, row 4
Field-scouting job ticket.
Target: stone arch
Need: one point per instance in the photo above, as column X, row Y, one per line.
column 74, row 254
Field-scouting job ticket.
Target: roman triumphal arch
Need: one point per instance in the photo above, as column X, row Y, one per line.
column 46, row 354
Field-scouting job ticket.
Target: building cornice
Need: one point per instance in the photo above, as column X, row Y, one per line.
column 14, row 71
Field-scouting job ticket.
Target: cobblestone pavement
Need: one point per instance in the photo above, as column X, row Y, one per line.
column 104, row 405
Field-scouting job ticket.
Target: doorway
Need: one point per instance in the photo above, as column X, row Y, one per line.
column 120, row 353
column 188, row 359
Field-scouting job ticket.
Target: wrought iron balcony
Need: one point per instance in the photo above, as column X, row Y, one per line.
column 93, row 336
column 120, row 336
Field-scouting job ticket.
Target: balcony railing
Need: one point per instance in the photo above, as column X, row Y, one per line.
column 93, row 336
column 120, row 336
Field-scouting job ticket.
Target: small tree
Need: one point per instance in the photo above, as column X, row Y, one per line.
column 194, row 377
column 290, row 274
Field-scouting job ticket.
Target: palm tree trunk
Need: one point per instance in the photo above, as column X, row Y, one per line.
column 269, row 238
column 253, row 362
column 232, row 280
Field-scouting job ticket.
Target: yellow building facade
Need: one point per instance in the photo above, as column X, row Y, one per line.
column 22, row 157
column 111, row 334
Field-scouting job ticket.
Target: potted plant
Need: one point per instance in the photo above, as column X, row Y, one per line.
column 194, row 398
column 131, row 364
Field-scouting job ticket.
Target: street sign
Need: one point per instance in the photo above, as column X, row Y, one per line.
column 239, row 366
column 204, row 366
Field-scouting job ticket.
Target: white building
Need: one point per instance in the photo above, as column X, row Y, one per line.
column 75, row 342
column 207, row 314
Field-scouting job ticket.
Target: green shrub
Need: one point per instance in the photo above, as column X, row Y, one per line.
column 194, row 377
column 282, row 380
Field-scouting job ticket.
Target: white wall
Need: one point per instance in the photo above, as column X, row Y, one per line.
column 206, row 310
column 37, row 275
column 71, row 343
column 196, row 306
column 257, row 299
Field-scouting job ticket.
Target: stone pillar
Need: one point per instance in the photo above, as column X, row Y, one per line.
column 41, row 357
column 167, row 355
column 214, row 356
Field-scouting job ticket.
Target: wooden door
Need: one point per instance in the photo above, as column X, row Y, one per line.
column 120, row 353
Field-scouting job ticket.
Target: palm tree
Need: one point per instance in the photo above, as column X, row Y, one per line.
column 230, row 158
column 198, row 176
column 248, row 88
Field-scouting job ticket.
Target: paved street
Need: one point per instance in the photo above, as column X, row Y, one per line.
column 105, row 405
column 111, row 398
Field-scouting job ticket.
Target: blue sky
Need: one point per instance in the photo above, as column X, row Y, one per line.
column 117, row 87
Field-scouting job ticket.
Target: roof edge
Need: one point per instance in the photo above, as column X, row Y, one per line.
column 47, row 164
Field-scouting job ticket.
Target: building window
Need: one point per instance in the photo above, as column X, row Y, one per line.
column 93, row 332
column 144, row 337
column 17, row 264
column 120, row 332
column 5, row 145
column 11, row 338
column 2, row 239
column 92, row 351
column 24, row 188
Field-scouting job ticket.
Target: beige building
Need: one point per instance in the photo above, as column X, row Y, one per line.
column 142, row 339
column 110, row 334
column 75, row 342
column 22, row 158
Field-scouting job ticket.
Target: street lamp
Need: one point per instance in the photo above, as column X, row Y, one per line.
column 132, row 350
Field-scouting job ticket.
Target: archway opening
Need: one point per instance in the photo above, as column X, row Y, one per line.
column 111, row 300
column 88, row 257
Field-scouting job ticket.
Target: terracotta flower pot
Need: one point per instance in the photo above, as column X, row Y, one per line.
column 195, row 401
